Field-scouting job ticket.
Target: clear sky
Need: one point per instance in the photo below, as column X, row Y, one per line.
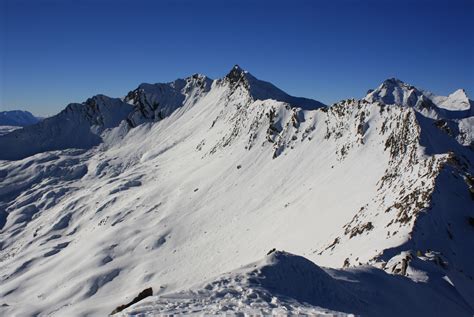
column 54, row 52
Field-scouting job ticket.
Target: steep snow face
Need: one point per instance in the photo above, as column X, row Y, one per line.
column 222, row 179
column 77, row 126
column 17, row 118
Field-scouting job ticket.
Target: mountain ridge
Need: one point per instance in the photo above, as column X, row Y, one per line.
column 19, row 118
column 147, row 103
column 152, row 102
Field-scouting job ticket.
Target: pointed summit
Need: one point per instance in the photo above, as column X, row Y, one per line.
column 459, row 94
column 237, row 68
column 456, row 101
column 237, row 75
column 262, row 90
column 393, row 81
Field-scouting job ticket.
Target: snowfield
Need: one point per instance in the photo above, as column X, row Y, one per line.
column 179, row 186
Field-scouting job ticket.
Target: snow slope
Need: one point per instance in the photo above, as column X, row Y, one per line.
column 285, row 284
column 202, row 177
column 17, row 118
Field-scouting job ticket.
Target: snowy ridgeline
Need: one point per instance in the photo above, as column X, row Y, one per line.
column 283, row 284
column 179, row 186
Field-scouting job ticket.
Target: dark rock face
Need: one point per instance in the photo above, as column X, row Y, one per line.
column 235, row 75
column 143, row 294
column 154, row 102
column 471, row 221
column 271, row 251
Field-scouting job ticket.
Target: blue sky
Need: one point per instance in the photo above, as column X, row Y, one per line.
column 54, row 52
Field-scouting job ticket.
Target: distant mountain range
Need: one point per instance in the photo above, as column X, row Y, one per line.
column 190, row 190
column 17, row 118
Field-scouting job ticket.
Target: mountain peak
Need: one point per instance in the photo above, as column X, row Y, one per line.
column 460, row 94
column 395, row 82
column 394, row 91
column 456, row 101
column 239, row 69
column 236, row 75
column 262, row 90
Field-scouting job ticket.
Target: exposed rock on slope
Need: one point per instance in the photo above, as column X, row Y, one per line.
column 155, row 102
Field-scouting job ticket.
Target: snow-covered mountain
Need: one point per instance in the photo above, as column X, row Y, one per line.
column 185, row 187
column 82, row 125
column 457, row 101
column 454, row 113
column 17, row 118
column 394, row 91
column 263, row 90
column 77, row 126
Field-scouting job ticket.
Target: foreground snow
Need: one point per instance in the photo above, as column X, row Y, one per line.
column 286, row 284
